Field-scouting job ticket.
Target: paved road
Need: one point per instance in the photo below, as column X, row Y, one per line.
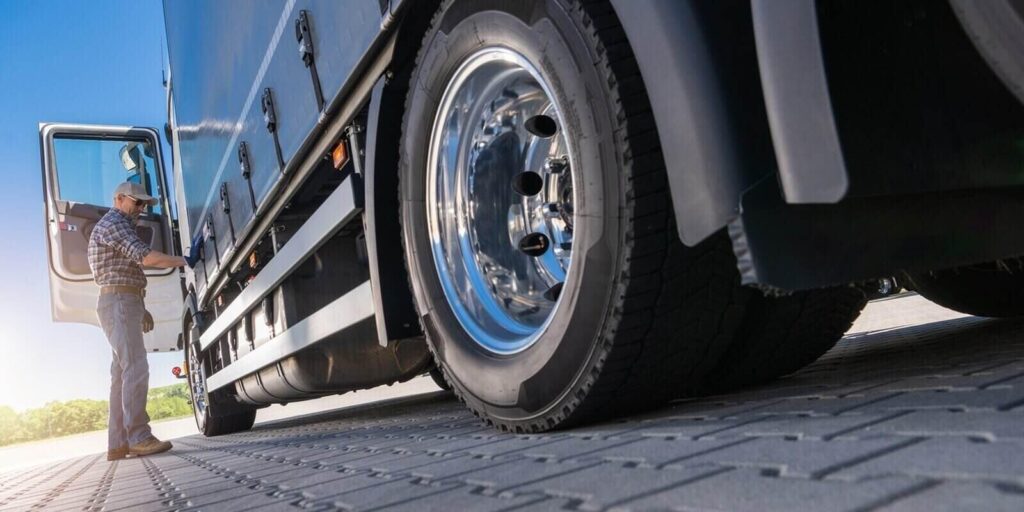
column 897, row 417
column 49, row 451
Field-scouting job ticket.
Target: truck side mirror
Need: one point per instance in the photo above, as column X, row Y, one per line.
column 130, row 157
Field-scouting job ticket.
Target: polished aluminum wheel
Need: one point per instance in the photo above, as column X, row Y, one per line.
column 500, row 199
column 197, row 383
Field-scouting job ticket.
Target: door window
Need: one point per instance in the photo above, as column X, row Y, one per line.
column 88, row 170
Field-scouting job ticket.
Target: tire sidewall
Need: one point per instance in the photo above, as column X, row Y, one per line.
column 194, row 365
column 543, row 377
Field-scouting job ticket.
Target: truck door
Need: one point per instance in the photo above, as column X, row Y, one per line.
column 82, row 165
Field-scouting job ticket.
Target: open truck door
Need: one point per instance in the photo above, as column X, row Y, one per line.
column 82, row 165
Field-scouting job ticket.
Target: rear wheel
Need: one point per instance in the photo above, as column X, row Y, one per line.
column 990, row 289
column 213, row 412
column 538, row 229
column 781, row 335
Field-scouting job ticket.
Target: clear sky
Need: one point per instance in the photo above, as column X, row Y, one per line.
column 97, row 62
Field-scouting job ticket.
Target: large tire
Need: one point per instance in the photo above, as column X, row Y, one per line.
column 639, row 315
column 215, row 415
column 438, row 377
column 990, row 289
column 781, row 335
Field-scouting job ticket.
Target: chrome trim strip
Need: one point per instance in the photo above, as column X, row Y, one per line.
column 345, row 311
column 336, row 211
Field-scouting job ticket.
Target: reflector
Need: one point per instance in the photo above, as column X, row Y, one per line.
column 339, row 155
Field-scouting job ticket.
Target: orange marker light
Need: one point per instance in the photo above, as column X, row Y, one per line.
column 339, row 155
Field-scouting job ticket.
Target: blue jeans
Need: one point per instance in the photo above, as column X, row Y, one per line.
column 121, row 318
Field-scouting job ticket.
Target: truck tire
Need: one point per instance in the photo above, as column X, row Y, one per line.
column 438, row 378
column 534, row 114
column 781, row 335
column 993, row 289
column 213, row 413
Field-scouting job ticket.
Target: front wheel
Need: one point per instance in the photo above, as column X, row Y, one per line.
column 538, row 229
column 213, row 416
column 781, row 335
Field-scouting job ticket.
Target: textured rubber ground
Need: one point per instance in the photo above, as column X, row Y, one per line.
column 674, row 309
column 921, row 412
column 780, row 335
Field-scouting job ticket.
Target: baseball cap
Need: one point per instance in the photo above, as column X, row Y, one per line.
column 135, row 191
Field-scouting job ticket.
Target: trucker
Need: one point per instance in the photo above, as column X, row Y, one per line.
column 562, row 209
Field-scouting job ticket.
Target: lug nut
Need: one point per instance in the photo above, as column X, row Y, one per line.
column 527, row 183
column 556, row 165
column 541, row 125
column 534, row 244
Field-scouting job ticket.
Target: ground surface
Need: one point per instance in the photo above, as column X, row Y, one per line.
column 916, row 409
column 50, row 451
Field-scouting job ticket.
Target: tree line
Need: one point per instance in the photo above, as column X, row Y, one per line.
column 57, row 419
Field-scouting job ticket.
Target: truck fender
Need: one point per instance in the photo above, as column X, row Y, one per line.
column 698, row 139
column 396, row 316
column 190, row 310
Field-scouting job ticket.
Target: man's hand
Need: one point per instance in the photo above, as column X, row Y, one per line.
column 147, row 322
column 160, row 260
column 194, row 252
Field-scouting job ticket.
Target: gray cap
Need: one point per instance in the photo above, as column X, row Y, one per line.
column 135, row 191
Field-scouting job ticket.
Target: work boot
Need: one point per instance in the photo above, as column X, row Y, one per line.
column 149, row 446
column 117, row 453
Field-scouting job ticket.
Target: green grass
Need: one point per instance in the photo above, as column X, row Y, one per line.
column 57, row 419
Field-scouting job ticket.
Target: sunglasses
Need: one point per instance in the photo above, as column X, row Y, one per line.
column 135, row 201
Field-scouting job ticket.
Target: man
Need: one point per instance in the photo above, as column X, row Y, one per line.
column 116, row 257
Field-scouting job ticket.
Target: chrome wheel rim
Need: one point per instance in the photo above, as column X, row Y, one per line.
column 198, row 386
column 500, row 200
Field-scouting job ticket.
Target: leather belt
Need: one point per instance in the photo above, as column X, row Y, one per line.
column 133, row 290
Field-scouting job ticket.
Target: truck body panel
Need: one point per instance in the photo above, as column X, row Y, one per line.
column 222, row 70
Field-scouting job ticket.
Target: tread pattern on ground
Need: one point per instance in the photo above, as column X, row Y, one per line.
column 929, row 417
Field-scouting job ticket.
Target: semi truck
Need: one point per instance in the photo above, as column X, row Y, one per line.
column 563, row 210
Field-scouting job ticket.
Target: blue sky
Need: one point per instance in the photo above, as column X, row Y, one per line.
column 94, row 62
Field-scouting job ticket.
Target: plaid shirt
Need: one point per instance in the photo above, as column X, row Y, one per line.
column 116, row 252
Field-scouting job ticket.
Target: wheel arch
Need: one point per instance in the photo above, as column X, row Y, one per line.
column 190, row 311
column 698, row 61
column 396, row 316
